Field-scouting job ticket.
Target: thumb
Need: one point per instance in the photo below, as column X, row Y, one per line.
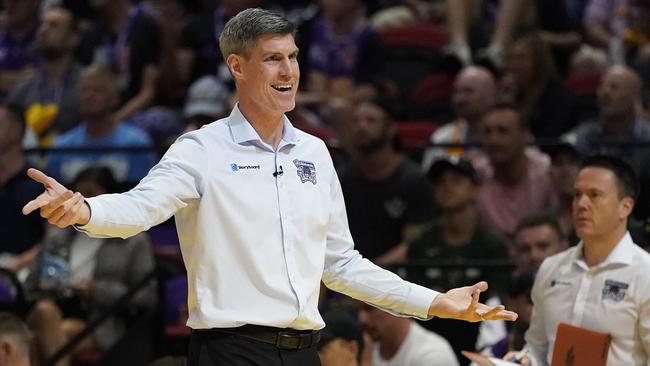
column 480, row 286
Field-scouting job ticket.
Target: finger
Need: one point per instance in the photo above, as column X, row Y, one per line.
column 59, row 200
column 71, row 215
column 481, row 286
column 475, row 295
column 490, row 314
column 505, row 315
column 34, row 204
column 45, row 180
column 62, row 210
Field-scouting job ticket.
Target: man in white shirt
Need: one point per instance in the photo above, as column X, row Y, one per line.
column 603, row 283
column 400, row 341
column 260, row 217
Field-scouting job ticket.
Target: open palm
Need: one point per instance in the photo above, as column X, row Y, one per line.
column 463, row 304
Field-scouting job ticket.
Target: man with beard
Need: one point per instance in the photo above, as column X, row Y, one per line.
column 50, row 97
column 388, row 198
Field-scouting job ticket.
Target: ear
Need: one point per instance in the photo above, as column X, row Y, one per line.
column 6, row 348
column 234, row 63
column 625, row 208
column 353, row 347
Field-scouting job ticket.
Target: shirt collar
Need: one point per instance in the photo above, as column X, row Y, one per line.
column 623, row 253
column 242, row 131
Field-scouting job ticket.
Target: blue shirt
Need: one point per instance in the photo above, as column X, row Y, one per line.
column 256, row 244
column 129, row 166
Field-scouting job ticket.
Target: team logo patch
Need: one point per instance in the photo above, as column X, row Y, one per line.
column 614, row 290
column 234, row 167
column 306, row 171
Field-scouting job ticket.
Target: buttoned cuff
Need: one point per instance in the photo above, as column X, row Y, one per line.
column 419, row 302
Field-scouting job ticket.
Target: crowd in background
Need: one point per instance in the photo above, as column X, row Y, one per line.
column 457, row 128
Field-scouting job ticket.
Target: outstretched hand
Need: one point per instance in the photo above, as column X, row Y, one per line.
column 462, row 304
column 59, row 205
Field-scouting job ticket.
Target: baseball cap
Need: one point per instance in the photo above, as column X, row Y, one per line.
column 207, row 96
column 456, row 164
column 341, row 325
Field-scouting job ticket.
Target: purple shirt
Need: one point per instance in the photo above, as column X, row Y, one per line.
column 15, row 55
column 611, row 12
column 337, row 57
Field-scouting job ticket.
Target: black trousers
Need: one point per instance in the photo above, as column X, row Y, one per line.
column 226, row 349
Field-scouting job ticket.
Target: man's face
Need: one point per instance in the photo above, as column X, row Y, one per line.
column 616, row 94
column 597, row 209
column 564, row 170
column 453, row 190
column 533, row 244
column 520, row 63
column 96, row 97
column 268, row 76
column 53, row 36
column 375, row 322
column 370, row 128
column 470, row 97
column 502, row 136
column 338, row 352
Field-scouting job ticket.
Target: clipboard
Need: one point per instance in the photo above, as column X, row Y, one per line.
column 579, row 346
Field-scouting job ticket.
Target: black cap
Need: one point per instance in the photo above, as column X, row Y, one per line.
column 341, row 325
column 456, row 164
column 562, row 147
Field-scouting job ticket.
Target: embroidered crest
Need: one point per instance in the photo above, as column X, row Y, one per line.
column 306, row 171
column 614, row 290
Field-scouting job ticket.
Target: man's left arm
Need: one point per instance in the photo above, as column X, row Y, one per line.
column 644, row 320
column 347, row 272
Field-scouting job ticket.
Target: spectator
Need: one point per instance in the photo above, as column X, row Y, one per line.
column 602, row 284
column 341, row 343
column 337, row 46
column 517, row 181
column 17, row 36
column 75, row 278
column 619, row 100
column 388, row 199
column 98, row 96
column 198, row 54
column 457, row 234
column 206, row 102
column 401, row 341
column 126, row 40
column 565, row 161
column 50, row 97
column 473, row 95
column 19, row 234
column 15, row 341
column 537, row 88
column 536, row 237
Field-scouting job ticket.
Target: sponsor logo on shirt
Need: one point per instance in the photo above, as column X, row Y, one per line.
column 614, row 290
column 236, row 167
column 306, row 171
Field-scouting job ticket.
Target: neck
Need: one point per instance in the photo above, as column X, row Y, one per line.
column 458, row 224
column 390, row 344
column 10, row 164
column 619, row 126
column 596, row 250
column 512, row 172
column 379, row 164
column 268, row 127
column 55, row 69
column 100, row 127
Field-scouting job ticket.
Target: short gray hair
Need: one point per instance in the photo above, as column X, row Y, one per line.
column 242, row 31
column 15, row 329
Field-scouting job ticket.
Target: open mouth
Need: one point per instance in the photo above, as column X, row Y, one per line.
column 282, row 88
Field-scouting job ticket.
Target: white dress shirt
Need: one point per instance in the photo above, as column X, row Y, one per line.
column 612, row 297
column 256, row 244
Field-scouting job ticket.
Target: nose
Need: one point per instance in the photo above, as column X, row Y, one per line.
column 286, row 68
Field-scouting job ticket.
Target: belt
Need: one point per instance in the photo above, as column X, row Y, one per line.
column 282, row 338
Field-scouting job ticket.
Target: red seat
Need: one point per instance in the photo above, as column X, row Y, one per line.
column 415, row 134
column 435, row 87
column 420, row 36
column 584, row 84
